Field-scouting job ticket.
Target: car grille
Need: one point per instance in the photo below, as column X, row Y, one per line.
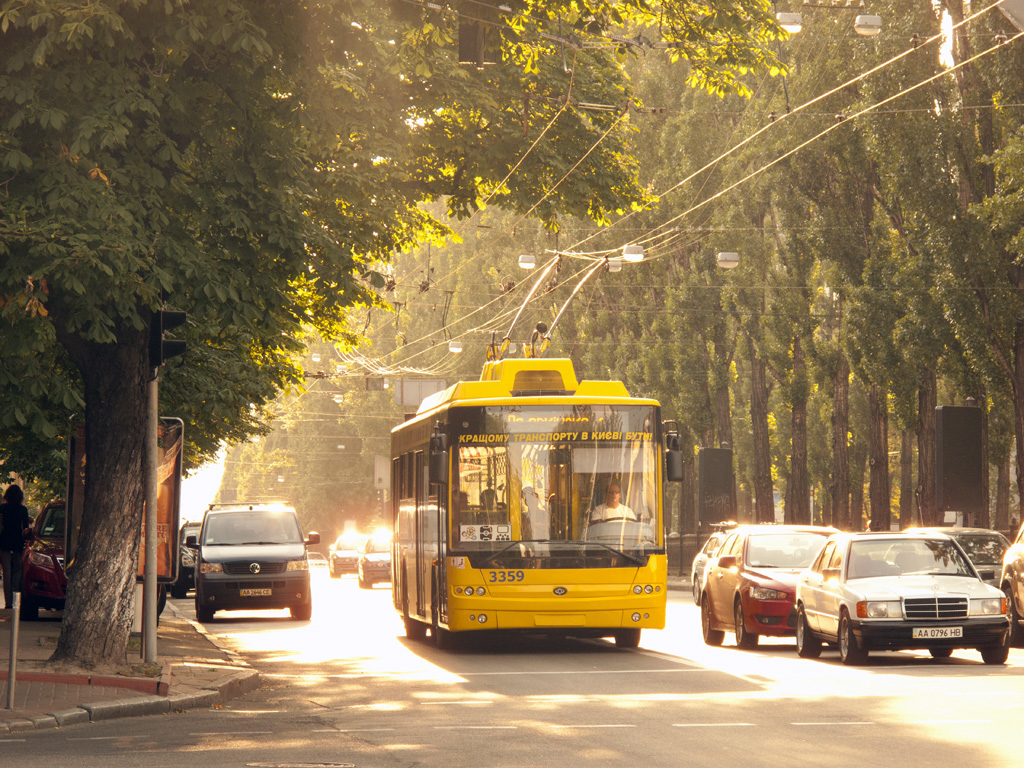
column 240, row 567
column 936, row 608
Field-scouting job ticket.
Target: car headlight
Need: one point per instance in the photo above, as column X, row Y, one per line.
column 38, row 558
column 211, row 568
column 880, row 609
column 990, row 606
column 763, row 593
column 188, row 557
column 298, row 565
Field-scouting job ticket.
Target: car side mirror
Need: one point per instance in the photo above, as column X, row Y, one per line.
column 830, row 574
column 313, row 538
column 191, row 542
column 727, row 561
column 987, row 575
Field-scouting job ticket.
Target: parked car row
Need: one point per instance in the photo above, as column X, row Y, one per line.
column 929, row 589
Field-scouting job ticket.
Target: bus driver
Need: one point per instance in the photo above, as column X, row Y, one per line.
column 612, row 509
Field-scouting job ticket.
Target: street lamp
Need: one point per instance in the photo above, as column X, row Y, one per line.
column 633, row 253
column 791, row 22
column 728, row 259
column 867, row 25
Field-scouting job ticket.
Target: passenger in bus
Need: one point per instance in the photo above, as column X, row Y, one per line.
column 613, row 508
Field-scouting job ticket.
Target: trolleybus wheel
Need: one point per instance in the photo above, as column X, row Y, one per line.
column 627, row 638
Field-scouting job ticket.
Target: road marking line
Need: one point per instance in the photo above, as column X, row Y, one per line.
column 944, row 722
column 849, row 722
column 711, row 725
column 362, row 730
column 434, row 703
column 606, row 725
column 475, row 728
column 403, row 675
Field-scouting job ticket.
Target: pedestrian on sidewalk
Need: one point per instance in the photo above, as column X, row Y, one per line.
column 15, row 529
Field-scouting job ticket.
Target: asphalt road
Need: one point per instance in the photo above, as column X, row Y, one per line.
column 347, row 688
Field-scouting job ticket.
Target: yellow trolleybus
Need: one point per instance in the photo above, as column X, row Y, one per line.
column 531, row 502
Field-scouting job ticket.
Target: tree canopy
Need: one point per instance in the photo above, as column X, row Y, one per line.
column 256, row 164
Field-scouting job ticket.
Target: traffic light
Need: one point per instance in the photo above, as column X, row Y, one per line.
column 160, row 348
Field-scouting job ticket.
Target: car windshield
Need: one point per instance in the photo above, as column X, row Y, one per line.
column 783, row 550
column 52, row 523
column 901, row 557
column 984, row 547
column 252, row 527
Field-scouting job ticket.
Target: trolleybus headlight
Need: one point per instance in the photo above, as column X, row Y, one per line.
column 648, row 589
column 482, row 618
column 635, row 617
column 638, row 589
column 481, row 591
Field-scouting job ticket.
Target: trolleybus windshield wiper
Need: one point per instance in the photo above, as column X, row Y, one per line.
column 493, row 557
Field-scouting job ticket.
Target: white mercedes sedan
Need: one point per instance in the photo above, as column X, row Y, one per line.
column 890, row 591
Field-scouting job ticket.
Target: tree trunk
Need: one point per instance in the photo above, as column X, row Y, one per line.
column 101, row 580
column 841, row 446
column 983, row 519
column 878, row 442
column 927, row 507
column 687, row 505
column 798, row 484
column 764, row 497
column 801, row 498
column 858, row 456
column 906, row 479
column 1003, row 496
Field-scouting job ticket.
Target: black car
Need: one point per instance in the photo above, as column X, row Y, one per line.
column 984, row 547
column 186, row 578
column 252, row 557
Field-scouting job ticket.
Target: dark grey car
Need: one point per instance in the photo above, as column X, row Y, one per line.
column 983, row 547
column 252, row 557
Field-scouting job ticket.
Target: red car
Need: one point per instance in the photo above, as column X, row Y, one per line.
column 43, row 583
column 749, row 587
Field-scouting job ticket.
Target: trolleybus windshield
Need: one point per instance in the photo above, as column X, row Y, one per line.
column 554, row 485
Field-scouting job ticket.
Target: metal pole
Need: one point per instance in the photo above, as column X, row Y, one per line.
column 149, row 574
column 12, row 669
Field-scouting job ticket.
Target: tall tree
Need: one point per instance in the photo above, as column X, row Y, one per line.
column 254, row 164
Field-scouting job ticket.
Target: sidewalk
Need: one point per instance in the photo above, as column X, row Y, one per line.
column 195, row 673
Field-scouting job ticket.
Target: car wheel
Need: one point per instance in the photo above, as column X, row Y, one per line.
column 1016, row 631
column 940, row 653
column 179, row 590
column 204, row 614
column 849, row 653
column 744, row 639
column 711, row 636
column 364, row 584
column 302, row 612
column 627, row 638
column 995, row 654
column 807, row 645
column 29, row 610
column 696, row 592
